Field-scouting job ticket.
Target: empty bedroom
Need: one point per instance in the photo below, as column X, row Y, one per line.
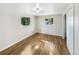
column 36, row 29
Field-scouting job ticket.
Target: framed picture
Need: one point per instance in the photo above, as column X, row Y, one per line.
column 49, row 20
column 25, row 20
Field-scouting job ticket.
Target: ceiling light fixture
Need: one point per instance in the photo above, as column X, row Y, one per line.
column 37, row 8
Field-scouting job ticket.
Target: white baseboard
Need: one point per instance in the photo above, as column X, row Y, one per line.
column 17, row 41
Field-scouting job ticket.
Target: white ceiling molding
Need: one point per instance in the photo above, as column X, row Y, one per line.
column 68, row 8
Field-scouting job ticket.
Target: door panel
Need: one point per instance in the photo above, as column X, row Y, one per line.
column 69, row 30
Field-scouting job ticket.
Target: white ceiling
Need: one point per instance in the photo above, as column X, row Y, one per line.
column 29, row 8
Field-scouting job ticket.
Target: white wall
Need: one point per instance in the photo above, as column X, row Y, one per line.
column 76, row 29
column 54, row 29
column 11, row 30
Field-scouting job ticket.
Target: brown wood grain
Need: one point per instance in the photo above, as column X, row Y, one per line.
column 26, row 46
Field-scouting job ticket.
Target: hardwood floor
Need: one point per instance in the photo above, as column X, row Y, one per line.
column 39, row 44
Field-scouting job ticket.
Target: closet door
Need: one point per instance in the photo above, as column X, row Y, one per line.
column 69, row 30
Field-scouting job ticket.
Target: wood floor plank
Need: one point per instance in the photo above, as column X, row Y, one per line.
column 25, row 47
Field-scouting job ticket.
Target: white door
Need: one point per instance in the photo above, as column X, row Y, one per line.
column 69, row 30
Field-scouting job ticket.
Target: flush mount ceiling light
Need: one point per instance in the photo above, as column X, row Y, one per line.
column 37, row 8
